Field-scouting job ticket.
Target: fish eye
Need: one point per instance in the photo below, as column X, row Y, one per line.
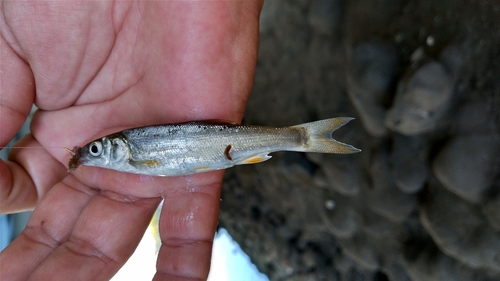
column 95, row 148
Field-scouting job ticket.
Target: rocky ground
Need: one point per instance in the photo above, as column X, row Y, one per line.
column 422, row 201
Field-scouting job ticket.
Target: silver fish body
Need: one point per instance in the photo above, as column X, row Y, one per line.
column 182, row 149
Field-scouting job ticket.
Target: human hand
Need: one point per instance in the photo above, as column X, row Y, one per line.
column 94, row 68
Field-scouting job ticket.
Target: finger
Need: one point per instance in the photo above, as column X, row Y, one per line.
column 16, row 98
column 105, row 235
column 49, row 226
column 141, row 186
column 187, row 225
column 188, row 220
column 17, row 90
column 27, row 176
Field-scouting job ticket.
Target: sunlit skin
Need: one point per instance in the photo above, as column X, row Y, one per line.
column 98, row 67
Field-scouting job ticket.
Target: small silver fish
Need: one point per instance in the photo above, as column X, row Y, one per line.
column 189, row 148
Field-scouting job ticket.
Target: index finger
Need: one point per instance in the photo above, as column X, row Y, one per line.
column 187, row 225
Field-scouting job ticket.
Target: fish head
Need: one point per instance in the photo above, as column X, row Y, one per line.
column 108, row 152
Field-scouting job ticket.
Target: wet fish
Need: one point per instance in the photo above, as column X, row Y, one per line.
column 189, row 148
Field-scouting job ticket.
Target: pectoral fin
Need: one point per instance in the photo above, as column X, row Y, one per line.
column 254, row 159
column 145, row 163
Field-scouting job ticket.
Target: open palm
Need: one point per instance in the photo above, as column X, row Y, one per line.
column 94, row 68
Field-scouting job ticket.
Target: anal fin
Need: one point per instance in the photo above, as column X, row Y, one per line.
column 254, row 159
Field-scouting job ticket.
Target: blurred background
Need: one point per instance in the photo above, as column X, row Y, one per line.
column 422, row 200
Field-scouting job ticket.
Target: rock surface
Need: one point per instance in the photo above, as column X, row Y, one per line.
column 422, row 102
column 409, row 163
column 468, row 165
column 369, row 82
column 422, row 200
column 460, row 231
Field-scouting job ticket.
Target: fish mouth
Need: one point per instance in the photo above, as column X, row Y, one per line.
column 74, row 162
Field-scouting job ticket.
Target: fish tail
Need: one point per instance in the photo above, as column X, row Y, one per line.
column 318, row 136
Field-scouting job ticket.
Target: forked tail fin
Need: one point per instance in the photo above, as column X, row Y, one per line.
column 318, row 136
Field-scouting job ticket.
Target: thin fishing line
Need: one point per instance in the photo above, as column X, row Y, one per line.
column 9, row 147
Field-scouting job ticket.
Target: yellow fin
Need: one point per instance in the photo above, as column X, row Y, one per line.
column 145, row 163
column 255, row 159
